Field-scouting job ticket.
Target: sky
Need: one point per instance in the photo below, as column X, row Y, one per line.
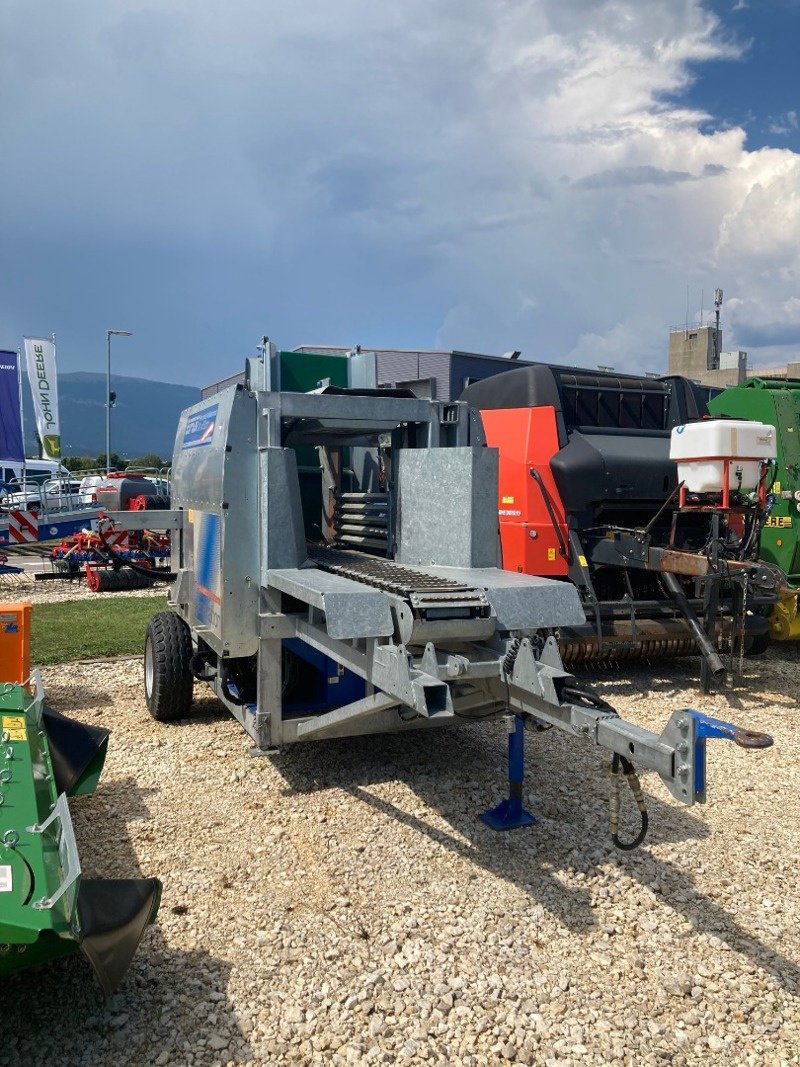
column 553, row 176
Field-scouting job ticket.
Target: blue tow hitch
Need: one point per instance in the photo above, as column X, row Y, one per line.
column 699, row 728
column 679, row 756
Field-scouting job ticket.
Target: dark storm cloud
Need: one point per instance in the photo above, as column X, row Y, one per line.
column 353, row 172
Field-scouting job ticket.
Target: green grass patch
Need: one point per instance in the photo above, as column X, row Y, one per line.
column 87, row 629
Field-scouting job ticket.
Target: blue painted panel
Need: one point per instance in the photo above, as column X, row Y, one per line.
column 200, row 428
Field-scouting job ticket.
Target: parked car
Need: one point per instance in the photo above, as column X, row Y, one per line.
column 88, row 488
column 66, row 489
column 55, row 494
column 33, row 472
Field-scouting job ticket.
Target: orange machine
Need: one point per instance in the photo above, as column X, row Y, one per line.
column 15, row 642
column 533, row 543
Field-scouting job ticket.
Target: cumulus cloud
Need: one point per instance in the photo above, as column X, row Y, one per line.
column 785, row 124
column 521, row 174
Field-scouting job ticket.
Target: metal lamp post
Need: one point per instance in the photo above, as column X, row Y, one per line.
column 109, row 335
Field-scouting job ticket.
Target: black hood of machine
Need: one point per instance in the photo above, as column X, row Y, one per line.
column 617, row 469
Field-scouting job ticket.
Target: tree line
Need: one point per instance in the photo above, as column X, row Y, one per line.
column 82, row 463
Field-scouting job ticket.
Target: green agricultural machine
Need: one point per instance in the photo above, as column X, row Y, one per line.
column 777, row 403
column 47, row 909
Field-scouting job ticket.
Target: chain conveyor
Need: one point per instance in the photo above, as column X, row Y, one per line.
column 418, row 588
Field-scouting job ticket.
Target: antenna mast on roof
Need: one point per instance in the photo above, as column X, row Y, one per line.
column 717, row 337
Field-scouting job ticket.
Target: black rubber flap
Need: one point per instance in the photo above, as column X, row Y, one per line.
column 77, row 751
column 113, row 915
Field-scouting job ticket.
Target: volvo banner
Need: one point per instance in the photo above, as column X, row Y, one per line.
column 11, row 443
column 41, row 359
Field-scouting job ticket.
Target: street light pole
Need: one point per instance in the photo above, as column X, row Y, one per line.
column 109, row 335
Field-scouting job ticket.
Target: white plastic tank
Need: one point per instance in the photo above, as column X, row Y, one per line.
column 700, row 449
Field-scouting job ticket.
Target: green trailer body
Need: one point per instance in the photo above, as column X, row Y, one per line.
column 777, row 403
column 47, row 909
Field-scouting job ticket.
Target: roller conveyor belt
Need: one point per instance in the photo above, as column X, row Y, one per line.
column 588, row 650
column 396, row 578
column 649, row 639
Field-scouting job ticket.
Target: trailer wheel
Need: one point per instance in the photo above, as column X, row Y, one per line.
column 167, row 667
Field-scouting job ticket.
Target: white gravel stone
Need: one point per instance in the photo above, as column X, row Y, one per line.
column 342, row 903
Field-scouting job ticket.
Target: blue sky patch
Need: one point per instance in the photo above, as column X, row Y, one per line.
column 760, row 91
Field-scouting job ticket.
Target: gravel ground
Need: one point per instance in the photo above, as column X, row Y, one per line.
column 343, row 904
column 25, row 587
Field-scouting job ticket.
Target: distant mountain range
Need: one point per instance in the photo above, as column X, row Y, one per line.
column 144, row 418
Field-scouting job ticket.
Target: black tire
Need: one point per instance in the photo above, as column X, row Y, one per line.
column 758, row 644
column 168, row 678
column 109, row 581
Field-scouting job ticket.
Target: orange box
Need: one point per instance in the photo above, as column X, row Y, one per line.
column 15, row 642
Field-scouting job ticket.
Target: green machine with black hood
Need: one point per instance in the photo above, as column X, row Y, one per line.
column 47, row 908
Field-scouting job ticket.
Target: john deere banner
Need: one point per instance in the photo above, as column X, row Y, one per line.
column 11, row 444
column 41, row 360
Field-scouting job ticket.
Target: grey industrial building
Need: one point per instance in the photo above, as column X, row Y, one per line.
column 439, row 374
column 696, row 352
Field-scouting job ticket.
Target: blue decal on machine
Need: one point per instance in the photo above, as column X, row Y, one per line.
column 208, row 597
column 200, row 427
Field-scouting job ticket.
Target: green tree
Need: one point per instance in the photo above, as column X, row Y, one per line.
column 78, row 463
column 150, row 460
column 117, row 462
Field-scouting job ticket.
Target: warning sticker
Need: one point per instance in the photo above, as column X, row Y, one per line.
column 776, row 487
column 14, row 726
column 582, row 560
column 551, row 554
column 6, row 880
column 507, row 500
